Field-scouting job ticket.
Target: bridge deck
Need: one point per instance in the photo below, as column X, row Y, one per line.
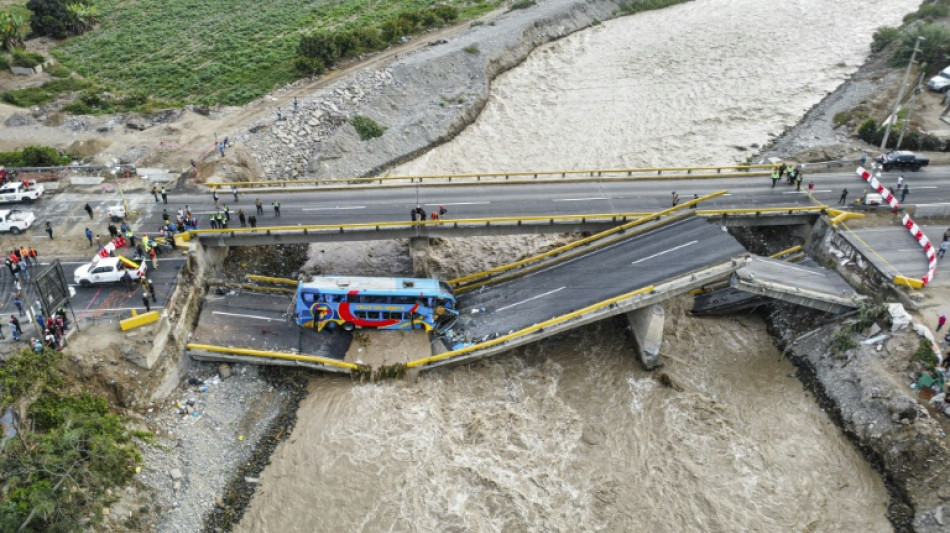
column 662, row 254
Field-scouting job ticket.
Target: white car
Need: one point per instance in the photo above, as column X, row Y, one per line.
column 107, row 270
column 941, row 82
column 15, row 220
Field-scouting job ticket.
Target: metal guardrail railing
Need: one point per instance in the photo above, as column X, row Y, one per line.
column 516, row 177
column 576, row 244
column 618, row 218
column 547, row 219
column 531, row 329
column 277, row 355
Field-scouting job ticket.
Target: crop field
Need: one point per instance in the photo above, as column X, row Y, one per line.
column 215, row 51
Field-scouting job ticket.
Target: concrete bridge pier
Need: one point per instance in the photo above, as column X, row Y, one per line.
column 419, row 251
column 646, row 324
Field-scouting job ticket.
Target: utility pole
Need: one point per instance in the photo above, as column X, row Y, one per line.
column 910, row 110
column 900, row 92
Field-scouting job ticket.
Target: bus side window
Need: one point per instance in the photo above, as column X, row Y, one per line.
column 307, row 297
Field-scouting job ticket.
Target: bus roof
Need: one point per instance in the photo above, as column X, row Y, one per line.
column 362, row 283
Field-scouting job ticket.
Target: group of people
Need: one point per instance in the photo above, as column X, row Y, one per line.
column 792, row 175
column 418, row 213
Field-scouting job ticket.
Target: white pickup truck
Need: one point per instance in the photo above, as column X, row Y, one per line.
column 17, row 191
column 108, row 270
column 15, row 220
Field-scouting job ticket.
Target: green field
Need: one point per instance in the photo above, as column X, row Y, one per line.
column 215, row 51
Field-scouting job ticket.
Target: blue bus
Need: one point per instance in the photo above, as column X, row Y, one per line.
column 374, row 302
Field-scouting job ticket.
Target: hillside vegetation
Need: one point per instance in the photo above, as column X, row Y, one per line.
column 217, row 51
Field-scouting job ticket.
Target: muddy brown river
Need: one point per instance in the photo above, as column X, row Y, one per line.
column 570, row 434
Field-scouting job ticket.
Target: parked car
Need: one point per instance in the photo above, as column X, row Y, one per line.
column 902, row 159
column 108, row 270
column 941, row 82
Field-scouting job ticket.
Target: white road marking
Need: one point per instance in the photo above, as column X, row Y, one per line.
column 578, row 199
column 926, row 187
column 664, row 252
column 139, row 308
column 529, row 299
column 245, row 316
column 822, row 190
column 462, row 203
column 336, row 208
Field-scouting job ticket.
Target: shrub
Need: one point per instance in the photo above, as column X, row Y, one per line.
column 321, row 46
column 933, row 50
column 869, row 133
column 843, row 340
column 22, row 58
column 33, row 156
column 309, row 66
column 32, row 96
column 925, row 354
column 522, row 4
column 4, row 62
column 50, row 17
column 58, row 71
column 366, row 127
column 471, row 49
column 446, row 13
column 928, row 12
column 883, row 37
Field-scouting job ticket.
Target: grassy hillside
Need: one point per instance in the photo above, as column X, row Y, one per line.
column 215, row 51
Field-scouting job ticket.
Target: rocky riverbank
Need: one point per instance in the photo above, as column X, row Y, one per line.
column 865, row 390
column 428, row 97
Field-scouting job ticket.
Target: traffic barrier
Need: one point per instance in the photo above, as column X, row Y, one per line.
column 525, row 331
column 786, row 251
column 278, row 355
column 268, row 279
column 911, row 226
column 138, row 320
column 522, row 177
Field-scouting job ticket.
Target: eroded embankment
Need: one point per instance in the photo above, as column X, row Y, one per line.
column 428, row 97
column 877, row 412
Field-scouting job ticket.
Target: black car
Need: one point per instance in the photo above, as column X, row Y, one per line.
column 902, row 159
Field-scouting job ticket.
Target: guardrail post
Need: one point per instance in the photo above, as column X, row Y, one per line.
column 341, row 229
column 689, row 171
column 563, row 174
column 535, row 176
column 519, row 222
column 718, row 171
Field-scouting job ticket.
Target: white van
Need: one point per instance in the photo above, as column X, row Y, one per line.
column 941, row 82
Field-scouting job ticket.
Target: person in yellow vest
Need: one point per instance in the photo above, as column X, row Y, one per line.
column 145, row 245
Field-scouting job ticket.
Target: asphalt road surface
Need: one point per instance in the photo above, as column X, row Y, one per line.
column 931, row 185
column 665, row 253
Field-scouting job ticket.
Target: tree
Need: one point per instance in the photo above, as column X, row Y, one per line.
column 934, row 50
column 50, row 17
column 62, row 18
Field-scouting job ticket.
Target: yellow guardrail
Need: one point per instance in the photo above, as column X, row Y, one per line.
column 912, row 283
column 561, row 249
column 759, row 210
column 838, row 215
column 687, row 172
column 278, row 355
column 786, row 251
column 137, row 320
column 401, row 224
column 268, row 279
column 531, row 329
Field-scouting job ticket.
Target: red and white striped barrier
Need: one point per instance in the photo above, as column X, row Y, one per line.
column 925, row 243
column 907, row 222
column 876, row 185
